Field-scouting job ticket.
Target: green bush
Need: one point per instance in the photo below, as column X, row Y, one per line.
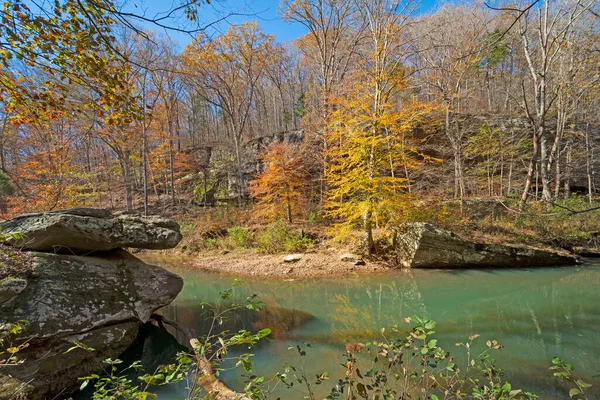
column 211, row 243
column 187, row 228
column 314, row 218
column 240, row 237
column 281, row 238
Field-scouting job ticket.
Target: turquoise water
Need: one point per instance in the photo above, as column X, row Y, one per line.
column 535, row 313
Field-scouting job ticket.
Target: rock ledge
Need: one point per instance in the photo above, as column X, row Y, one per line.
column 83, row 230
column 423, row 245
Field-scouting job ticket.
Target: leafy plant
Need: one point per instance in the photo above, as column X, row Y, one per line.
column 8, row 346
column 4, row 237
column 240, row 237
column 280, row 188
column 280, row 237
column 564, row 372
column 210, row 352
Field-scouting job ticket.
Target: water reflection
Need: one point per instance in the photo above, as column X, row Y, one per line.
column 536, row 314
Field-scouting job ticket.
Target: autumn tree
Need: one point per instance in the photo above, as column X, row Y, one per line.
column 328, row 50
column 364, row 139
column 74, row 42
column 226, row 72
column 280, row 188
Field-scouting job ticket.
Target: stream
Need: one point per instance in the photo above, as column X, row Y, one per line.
column 535, row 314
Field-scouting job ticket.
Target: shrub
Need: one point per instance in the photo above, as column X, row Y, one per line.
column 240, row 237
column 279, row 238
column 314, row 218
column 187, row 228
column 211, row 243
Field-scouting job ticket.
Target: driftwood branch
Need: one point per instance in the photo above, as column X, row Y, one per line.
column 207, row 379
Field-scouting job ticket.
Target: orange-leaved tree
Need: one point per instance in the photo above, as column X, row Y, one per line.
column 279, row 189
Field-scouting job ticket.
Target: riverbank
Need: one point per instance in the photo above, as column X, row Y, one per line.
column 326, row 262
column 287, row 251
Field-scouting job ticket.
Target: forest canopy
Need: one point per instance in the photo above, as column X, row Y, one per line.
column 383, row 104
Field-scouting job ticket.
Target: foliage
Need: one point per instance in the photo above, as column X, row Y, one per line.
column 279, row 189
column 279, row 237
column 217, row 343
column 8, row 346
column 422, row 368
column 117, row 383
column 6, row 189
column 240, row 237
column 72, row 43
column 365, row 153
column 564, row 371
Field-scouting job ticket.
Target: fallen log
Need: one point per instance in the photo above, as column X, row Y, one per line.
column 209, row 382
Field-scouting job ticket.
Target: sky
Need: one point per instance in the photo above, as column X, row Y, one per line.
column 264, row 12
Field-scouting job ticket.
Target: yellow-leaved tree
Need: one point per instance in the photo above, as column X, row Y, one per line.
column 279, row 189
column 368, row 137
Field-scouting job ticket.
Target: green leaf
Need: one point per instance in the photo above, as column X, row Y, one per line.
column 432, row 343
column 574, row 392
column 263, row 332
column 583, row 384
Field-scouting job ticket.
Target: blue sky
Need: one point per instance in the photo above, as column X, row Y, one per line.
column 264, row 12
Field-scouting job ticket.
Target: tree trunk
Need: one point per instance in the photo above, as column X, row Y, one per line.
column 369, row 232
column 238, row 162
column 127, row 180
column 544, row 170
column 530, row 170
column 171, row 164
column 145, row 165
column 588, row 163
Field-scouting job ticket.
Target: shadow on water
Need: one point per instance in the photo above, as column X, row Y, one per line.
column 197, row 321
column 154, row 346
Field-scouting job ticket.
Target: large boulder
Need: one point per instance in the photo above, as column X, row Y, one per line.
column 100, row 301
column 422, row 245
column 83, row 230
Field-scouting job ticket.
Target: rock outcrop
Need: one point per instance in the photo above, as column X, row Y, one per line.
column 100, row 300
column 422, row 245
column 83, row 230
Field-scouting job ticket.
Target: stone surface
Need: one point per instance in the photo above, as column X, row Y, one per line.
column 83, row 230
column 592, row 252
column 100, row 301
column 352, row 258
column 292, row 258
column 11, row 287
column 422, row 245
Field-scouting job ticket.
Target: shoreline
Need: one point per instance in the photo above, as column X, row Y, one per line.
column 321, row 263
column 314, row 264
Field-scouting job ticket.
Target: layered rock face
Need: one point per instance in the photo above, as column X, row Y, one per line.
column 422, row 245
column 81, row 230
column 99, row 300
